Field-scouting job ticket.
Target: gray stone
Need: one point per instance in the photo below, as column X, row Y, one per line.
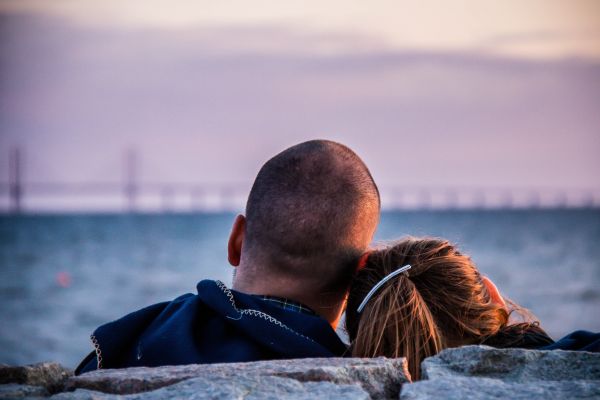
column 17, row 391
column 488, row 388
column 242, row 387
column 49, row 375
column 466, row 372
column 84, row 394
column 379, row 377
column 514, row 365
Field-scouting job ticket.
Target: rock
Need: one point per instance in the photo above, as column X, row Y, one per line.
column 242, row 387
column 481, row 372
column 514, row 365
column 474, row 372
column 379, row 377
column 17, row 391
column 84, row 394
column 488, row 388
column 48, row 375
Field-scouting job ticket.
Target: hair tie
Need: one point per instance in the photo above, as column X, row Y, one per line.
column 379, row 284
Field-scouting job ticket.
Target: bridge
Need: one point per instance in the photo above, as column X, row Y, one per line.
column 131, row 195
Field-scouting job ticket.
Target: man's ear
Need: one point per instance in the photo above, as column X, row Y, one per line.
column 494, row 292
column 362, row 261
column 334, row 324
column 236, row 238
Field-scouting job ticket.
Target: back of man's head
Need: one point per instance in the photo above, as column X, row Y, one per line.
column 311, row 213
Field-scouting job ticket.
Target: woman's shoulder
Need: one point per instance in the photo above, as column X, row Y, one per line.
column 579, row 340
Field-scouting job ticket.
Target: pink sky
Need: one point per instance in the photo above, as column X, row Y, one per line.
column 210, row 99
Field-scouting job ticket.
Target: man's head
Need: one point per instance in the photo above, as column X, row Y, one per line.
column 311, row 214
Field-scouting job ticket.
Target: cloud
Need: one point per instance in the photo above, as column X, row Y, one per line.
column 543, row 44
column 211, row 104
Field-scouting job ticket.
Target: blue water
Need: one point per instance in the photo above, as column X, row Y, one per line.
column 62, row 276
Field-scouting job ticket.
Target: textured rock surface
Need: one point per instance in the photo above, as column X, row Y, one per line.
column 474, row 372
column 488, row 388
column 481, row 372
column 16, row 391
column 242, row 387
column 48, row 375
column 514, row 365
column 380, row 377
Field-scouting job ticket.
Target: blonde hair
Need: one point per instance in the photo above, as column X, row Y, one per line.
column 441, row 302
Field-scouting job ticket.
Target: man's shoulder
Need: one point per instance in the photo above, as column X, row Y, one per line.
column 216, row 325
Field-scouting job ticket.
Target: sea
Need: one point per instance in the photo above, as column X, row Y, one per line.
column 61, row 276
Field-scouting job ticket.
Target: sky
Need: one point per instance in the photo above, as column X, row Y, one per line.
column 429, row 93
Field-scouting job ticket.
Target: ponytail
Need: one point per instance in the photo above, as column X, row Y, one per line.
column 398, row 323
column 442, row 302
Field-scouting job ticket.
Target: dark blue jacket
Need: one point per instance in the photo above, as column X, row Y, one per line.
column 578, row 340
column 216, row 325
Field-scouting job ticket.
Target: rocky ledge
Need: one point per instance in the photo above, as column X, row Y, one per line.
column 466, row 372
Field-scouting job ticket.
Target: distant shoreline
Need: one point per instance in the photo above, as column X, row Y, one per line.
column 53, row 213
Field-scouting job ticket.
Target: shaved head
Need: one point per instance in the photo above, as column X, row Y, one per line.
column 311, row 213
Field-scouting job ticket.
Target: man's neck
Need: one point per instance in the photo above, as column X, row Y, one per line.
column 325, row 305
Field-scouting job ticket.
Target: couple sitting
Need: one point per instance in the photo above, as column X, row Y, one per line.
column 301, row 258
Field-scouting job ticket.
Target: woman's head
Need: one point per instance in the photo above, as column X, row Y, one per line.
column 442, row 301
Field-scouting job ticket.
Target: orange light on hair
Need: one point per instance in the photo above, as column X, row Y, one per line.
column 362, row 261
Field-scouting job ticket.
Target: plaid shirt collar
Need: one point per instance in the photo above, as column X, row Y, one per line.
column 287, row 304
